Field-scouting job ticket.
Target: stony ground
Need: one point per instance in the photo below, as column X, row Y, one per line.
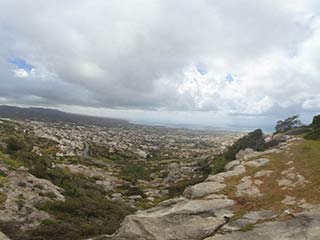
column 262, row 195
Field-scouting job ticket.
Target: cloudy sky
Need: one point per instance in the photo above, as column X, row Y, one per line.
column 224, row 63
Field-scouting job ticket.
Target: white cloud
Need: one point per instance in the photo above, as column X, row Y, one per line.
column 99, row 54
column 20, row 73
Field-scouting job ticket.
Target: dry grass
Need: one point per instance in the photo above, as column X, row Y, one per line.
column 305, row 156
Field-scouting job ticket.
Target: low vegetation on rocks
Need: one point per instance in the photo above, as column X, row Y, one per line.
column 254, row 140
column 314, row 133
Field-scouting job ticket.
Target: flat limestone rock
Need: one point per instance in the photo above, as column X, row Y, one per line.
column 248, row 219
column 260, row 215
column 203, row 189
column 231, row 165
column 263, row 173
column 189, row 219
column 305, row 225
column 288, row 200
column 220, row 177
column 257, row 163
column 247, row 188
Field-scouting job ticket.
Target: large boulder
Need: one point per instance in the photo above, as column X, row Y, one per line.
column 185, row 219
column 203, row 189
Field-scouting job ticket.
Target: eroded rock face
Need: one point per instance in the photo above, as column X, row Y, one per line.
column 220, row 177
column 203, row 189
column 257, row 163
column 247, row 188
column 249, row 219
column 248, row 153
column 185, row 219
column 232, row 164
column 305, row 225
column 177, row 172
column 24, row 191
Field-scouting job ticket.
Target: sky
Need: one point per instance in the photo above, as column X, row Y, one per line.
column 234, row 64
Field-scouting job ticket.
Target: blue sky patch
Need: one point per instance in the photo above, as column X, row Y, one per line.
column 21, row 64
column 202, row 69
column 230, row 78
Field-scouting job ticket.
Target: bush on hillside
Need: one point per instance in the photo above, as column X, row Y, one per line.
column 80, row 218
column 254, row 140
column 134, row 172
column 15, row 144
column 316, row 122
column 313, row 135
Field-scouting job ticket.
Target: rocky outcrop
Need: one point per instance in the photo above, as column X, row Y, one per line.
column 249, row 219
column 203, row 189
column 23, row 192
column 304, row 225
column 247, row 188
column 185, row 219
column 207, row 212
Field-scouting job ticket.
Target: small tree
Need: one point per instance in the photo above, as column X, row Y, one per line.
column 288, row 124
column 316, row 122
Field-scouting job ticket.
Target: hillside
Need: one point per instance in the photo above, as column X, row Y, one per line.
column 51, row 115
column 67, row 181
column 263, row 195
column 64, row 181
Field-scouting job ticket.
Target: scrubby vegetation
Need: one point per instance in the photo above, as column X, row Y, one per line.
column 16, row 143
column 314, row 134
column 86, row 211
column 3, row 197
column 104, row 153
column 254, row 140
column 133, row 172
column 316, row 122
column 80, row 217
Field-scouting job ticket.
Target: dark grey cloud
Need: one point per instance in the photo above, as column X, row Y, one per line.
column 141, row 54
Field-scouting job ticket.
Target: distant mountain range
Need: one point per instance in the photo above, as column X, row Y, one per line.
column 52, row 115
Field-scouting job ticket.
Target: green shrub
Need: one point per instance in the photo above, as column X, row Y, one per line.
column 218, row 165
column 80, row 218
column 133, row 172
column 15, row 144
column 313, row 135
column 3, row 197
column 254, row 140
column 205, row 167
column 316, row 122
